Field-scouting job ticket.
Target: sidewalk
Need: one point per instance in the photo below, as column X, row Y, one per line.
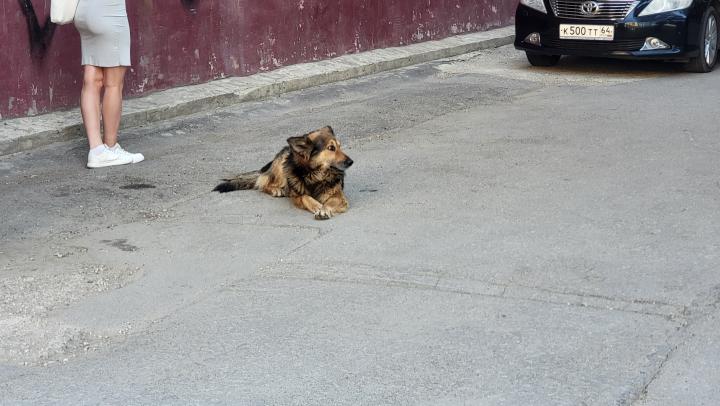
column 25, row 133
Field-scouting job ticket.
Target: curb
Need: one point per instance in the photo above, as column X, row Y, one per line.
column 26, row 133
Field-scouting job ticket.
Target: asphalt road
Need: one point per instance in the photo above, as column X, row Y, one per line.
column 517, row 236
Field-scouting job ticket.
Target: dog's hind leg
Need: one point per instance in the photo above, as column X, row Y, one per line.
column 275, row 191
column 272, row 180
column 270, row 184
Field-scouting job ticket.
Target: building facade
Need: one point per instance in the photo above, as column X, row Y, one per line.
column 181, row 42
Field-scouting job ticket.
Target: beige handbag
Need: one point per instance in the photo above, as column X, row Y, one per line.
column 63, row 11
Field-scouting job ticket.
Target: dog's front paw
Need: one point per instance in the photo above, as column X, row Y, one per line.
column 323, row 213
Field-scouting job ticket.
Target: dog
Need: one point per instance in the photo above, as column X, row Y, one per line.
column 310, row 171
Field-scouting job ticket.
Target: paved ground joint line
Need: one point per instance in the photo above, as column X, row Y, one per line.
column 498, row 290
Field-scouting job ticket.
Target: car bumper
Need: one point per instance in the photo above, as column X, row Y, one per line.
column 677, row 29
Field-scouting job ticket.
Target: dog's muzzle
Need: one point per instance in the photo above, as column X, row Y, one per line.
column 343, row 165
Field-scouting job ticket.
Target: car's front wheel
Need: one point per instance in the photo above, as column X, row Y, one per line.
column 542, row 60
column 705, row 62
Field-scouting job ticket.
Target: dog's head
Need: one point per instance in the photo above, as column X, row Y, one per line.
column 320, row 149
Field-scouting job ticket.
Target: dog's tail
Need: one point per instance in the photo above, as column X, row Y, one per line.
column 244, row 181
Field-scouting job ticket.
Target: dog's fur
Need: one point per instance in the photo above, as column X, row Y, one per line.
column 310, row 171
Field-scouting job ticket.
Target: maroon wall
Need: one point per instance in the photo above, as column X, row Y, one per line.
column 179, row 42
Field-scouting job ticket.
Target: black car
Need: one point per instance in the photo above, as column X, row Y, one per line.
column 678, row 30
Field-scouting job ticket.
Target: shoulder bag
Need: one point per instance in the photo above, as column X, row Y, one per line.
column 63, row 11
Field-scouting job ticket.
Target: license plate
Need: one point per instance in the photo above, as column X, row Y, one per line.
column 587, row 32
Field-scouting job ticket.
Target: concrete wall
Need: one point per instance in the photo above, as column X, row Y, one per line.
column 179, row 42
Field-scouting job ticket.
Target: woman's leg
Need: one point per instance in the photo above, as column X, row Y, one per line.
column 112, row 103
column 90, row 104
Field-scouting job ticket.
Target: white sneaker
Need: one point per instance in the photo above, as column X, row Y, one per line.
column 136, row 157
column 107, row 158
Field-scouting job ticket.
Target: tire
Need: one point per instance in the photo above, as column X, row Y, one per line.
column 542, row 60
column 708, row 40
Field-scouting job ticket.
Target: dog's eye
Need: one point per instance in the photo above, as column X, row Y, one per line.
column 331, row 148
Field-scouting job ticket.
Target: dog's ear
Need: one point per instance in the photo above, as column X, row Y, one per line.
column 301, row 145
column 330, row 129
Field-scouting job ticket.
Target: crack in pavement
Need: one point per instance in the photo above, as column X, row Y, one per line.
column 710, row 301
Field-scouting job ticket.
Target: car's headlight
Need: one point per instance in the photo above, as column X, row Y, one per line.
column 538, row 5
column 663, row 6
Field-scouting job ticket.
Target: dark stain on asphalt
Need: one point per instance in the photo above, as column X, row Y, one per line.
column 368, row 190
column 120, row 244
column 137, row 186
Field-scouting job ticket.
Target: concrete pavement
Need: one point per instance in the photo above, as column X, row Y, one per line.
column 513, row 238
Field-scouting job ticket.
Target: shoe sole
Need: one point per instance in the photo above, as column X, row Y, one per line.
column 117, row 162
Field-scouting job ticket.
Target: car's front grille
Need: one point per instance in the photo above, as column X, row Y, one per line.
column 606, row 9
column 600, row 46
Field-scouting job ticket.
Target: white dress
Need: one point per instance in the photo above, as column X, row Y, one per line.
column 104, row 31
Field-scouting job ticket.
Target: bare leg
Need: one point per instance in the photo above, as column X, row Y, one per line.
column 112, row 103
column 90, row 103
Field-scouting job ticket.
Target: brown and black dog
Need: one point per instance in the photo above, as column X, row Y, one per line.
column 310, row 171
